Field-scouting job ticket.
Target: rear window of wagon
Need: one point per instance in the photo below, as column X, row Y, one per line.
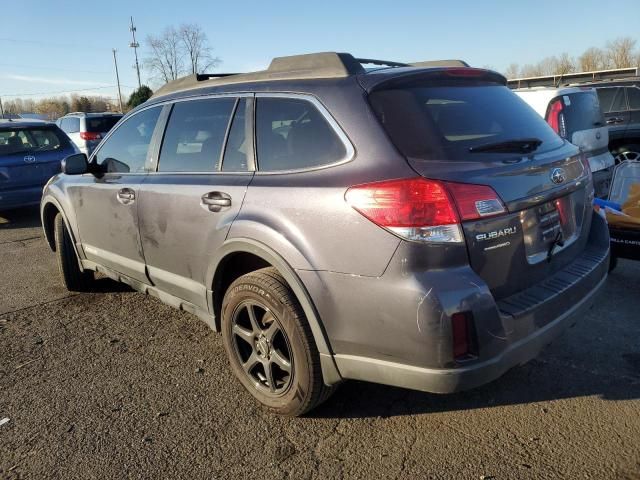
column 442, row 122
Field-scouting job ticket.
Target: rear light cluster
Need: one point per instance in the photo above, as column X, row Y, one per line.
column 90, row 136
column 424, row 210
column 555, row 118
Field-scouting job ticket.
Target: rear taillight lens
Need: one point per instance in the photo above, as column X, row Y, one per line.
column 476, row 201
column 416, row 209
column 90, row 136
column 424, row 210
column 555, row 118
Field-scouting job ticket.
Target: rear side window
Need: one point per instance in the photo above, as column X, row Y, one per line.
column 70, row 124
column 125, row 151
column 31, row 140
column 581, row 111
column 633, row 95
column 195, row 135
column 292, row 134
column 101, row 124
column 612, row 99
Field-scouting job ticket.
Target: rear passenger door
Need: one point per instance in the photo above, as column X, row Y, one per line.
column 188, row 204
column 613, row 102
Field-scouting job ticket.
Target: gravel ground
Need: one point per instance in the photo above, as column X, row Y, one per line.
column 114, row 384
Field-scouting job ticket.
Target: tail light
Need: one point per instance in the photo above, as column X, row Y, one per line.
column 555, row 118
column 90, row 136
column 424, row 210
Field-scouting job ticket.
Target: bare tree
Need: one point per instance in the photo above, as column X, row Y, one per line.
column 196, row 46
column 593, row 59
column 512, row 71
column 166, row 60
column 621, row 52
column 531, row 70
column 564, row 64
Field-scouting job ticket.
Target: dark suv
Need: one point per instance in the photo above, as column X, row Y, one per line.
column 409, row 225
column 620, row 104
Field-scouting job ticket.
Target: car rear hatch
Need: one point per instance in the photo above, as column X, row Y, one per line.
column 462, row 127
column 576, row 116
column 29, row 156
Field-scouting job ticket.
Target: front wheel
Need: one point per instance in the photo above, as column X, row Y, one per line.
column 269, row 344
column 73, row 277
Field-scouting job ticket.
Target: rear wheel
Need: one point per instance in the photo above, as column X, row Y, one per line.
column 269, row 344
column 75, row 279
column 628, row 152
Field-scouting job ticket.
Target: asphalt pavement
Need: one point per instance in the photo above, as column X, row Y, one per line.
column 114, row 384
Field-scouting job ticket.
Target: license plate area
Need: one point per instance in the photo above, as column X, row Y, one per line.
column 550, row 224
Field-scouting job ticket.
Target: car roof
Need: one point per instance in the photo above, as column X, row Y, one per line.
column 299, row 71
column 93, row 114
column 23, row 122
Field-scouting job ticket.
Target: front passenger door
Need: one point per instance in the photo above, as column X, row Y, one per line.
column 106, row 204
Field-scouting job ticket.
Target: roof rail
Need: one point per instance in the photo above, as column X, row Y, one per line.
column 574, row 78
column 440, row 63
column 312, row 65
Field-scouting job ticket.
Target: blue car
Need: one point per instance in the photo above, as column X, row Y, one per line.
column 30, row 154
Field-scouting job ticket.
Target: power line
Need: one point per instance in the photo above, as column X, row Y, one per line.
column 75, row 46
column 63, row 91
column 34, row 67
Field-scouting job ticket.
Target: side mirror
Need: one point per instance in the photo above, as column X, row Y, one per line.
column 75, row 164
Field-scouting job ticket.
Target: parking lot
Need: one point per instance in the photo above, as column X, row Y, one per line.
column 114, row 384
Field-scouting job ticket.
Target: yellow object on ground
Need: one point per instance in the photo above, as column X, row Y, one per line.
column 631, row 209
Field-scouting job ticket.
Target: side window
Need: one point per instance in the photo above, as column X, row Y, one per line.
column 71, row 124
column 195, row 135
column 633, row 95
column 292, row 134
column 125, row 151
column 612, row 99
column 237, row 150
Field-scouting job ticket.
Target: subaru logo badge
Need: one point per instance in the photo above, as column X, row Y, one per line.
column 598, row 135
column 558, row 176
column 29, row 159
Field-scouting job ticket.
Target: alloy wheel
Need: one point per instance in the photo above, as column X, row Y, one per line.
column 628, row 155
column 262, row 348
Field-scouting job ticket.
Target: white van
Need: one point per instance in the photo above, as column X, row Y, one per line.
column 575, row 114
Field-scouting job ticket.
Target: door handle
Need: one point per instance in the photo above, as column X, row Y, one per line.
column 614, row 120
column 126, row 196
column 215, row 201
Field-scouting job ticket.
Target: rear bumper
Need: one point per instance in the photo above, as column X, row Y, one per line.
column 20, row 197
column 449, row 380
column 396, row 329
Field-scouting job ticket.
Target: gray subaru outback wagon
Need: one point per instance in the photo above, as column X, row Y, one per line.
column 412, row 225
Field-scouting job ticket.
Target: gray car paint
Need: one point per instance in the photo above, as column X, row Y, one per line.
column 369, row 296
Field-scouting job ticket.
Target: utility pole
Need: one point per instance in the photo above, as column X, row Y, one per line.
column 115, row 62
column 135, row 46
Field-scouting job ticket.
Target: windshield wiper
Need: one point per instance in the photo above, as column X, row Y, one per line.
column 523, row 145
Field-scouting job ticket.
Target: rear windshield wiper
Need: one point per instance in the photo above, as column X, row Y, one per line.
column 523, row 145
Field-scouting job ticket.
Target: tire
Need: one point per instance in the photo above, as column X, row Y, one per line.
column 74, row 279
column 626, row 152
column 265, row 330
column 613, row 263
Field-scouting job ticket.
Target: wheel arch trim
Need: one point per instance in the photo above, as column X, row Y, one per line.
column 50, row 240
column 246, row 245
